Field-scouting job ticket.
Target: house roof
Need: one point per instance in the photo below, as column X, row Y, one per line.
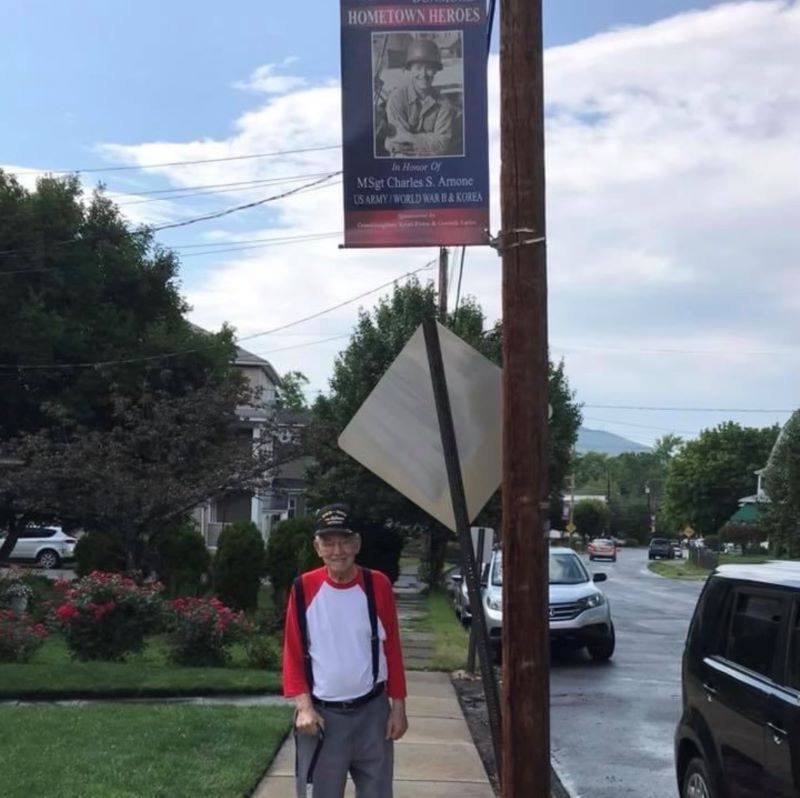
column 245, row 358
column 746, row 514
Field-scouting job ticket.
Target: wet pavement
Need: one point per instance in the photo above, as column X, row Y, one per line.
column 612, row 724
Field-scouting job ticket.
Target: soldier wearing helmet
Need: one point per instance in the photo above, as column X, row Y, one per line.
column 422, row 123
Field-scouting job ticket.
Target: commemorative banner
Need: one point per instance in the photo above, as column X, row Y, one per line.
column 414, row 121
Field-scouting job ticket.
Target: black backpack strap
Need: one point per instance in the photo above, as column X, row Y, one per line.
column 369, row 589
column 300, row 610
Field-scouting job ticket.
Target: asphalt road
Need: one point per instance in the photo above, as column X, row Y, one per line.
column 612, row 724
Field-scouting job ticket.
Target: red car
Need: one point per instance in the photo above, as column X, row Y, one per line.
column 602, row 549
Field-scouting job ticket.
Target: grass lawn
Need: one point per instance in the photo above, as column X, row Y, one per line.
column 52, row 671
column 135, row 751
column 678, row 569
column 450, row 637
column 684, row 569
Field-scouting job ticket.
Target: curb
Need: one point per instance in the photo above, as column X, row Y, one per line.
column 45, row 696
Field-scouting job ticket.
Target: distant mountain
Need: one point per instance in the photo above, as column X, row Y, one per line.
column 597, row 440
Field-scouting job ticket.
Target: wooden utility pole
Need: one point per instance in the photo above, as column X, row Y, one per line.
column 526, row 657
column 443, row 286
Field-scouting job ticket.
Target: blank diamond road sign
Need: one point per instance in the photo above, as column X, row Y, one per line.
column 395, row 433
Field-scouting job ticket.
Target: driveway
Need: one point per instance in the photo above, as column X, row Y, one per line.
column 612, row 724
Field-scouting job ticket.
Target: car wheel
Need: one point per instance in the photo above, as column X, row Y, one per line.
column 603, row 649
column 613, row 559
column 696, row 782
column 48, row 559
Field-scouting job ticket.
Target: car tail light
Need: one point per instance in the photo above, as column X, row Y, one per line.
column 70, row 541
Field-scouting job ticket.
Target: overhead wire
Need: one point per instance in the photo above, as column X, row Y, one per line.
column 168, row 355
column 139, row 167
column 322, row 182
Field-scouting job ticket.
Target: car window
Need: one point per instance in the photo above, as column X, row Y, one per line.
column 567, row 569
column 754, row 631
column 37, row 532
column 497, row 570
column 793, row 676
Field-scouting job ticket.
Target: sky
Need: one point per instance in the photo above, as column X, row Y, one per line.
column 673, row 128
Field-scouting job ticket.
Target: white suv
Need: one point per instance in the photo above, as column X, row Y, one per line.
column 47, row 546
column 580, row 613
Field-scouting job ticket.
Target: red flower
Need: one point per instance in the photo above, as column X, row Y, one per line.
column 66, row 612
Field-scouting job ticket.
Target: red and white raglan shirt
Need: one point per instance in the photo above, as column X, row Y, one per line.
column 339, row 639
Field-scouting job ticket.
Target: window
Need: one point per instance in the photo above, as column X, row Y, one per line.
column 36, row 532
column 567, row 569
column 754, row 631
column 793, row 676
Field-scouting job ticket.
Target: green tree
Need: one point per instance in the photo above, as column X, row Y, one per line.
column 290, row 391
column 161, row 456
column 379, row 337
column 78, row 286
column 782, row 484
column 239, row 565
column 592, row 518
column 710, row 474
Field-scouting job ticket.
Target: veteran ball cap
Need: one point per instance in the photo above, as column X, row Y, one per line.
column 334, row 519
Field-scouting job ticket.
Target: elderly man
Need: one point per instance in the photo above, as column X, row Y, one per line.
column 343, row 666
column 421, row 122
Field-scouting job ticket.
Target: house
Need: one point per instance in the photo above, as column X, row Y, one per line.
column 750, row 506
column 283, row 495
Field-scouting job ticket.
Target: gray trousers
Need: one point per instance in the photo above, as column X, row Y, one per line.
column 355, row 743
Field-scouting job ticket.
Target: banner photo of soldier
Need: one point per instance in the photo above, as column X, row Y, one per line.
column 414, row 119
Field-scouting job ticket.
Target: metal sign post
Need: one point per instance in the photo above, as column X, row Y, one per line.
column 469, row 567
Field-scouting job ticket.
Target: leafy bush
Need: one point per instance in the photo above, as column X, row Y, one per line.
column 106, row 616
column 381, row 547
column 183, row 561
column 44, row 596
column 264, row 652
column 201, row 630
column 712, row 542
column 20, row 636
column 239, row 565
column 289, row 552
column 98, row 551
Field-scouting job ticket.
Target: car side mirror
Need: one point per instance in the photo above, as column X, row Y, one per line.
column 600, row 577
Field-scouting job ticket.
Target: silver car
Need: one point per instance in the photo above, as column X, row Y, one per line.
column 580, row 613
column 48, row 546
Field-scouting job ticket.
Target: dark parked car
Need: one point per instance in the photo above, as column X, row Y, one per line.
column 739, row 735
column 661, row 547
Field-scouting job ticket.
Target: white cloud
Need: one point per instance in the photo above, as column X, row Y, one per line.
column 265, row 79
column 672, row 204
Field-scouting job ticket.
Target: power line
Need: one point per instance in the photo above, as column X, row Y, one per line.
column 687, row 409
column 427, row 266
column 303, row 346
column 270, row 239
column 278, row 242
column 638, row 426
column 247, row 206
column 313, row 185
column 667, row 351
column 172, row 194
column 180, row 163
column 168, row 355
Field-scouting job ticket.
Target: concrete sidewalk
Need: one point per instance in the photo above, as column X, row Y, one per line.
column 436, row 759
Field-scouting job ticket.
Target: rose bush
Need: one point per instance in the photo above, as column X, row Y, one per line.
column 20, row 636
column 106, row 616
column 202, row 630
